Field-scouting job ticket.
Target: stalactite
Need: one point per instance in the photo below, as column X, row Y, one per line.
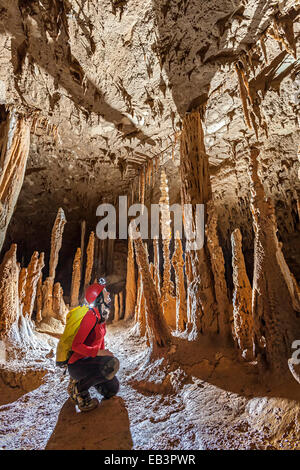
column 196, row 189
column 33, row 274
column 218, row 270
column 89, row 260
column 75, row 285
column 14, row 149
column 275, row 322
column 243, row 94
column 181, row 305
column 9, row 300
column 282, row 31
column 159, row 334
column 242, row 299
column 130, row 282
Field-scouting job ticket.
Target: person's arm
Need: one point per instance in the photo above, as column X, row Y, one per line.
column 85, row 328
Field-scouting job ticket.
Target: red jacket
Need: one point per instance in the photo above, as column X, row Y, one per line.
column 87, row 343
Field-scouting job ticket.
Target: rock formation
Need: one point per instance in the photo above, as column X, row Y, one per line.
column 181, row 305
column 75, row 285
column 14, row 148
column 89, row 260
column 275, row 323
column 9, row 301
column 242, row 300
column 158, row 331
column 33, row 274
column 130, row 282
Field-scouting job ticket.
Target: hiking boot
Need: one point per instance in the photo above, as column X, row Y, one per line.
column 111, row 368
column 85, row 402
column 71, row 389
column 82, row 399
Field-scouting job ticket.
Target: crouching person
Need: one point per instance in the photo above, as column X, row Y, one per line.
column 90, row 364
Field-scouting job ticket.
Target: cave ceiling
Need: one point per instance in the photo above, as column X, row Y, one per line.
column 108, row 82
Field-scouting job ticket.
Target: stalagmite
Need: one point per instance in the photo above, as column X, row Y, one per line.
column 33, row 274
column 218, row 269
column 89, row 260
column 159, row 334
column 82, row 242
column 56, row 241
column 14, row 149
column 75, row 285
column 167, row 297
column 116, row 308
column 130, row 282
column 156, row 265
column 39, row 299
column 59, row 308
column 181, row 305
column 22, row 284
column 9, row 301
column 275, row 323
column 242, row 299
column 110, row 255
column 121, row 304
column 196, row 189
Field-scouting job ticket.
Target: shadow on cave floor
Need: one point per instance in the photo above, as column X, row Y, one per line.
column 15, row 384
column 105, row 428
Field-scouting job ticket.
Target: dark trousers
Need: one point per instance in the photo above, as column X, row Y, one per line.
column 88, row 373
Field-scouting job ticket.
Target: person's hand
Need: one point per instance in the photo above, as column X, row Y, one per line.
column 104, row 352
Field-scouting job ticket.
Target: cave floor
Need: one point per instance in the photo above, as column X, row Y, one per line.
column 208, row 402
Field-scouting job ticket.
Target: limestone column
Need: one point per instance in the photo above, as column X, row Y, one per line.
column 242, row 300
column 9, row 300
column 130, row 282
column 181, row 305
column 89, row 260
column 14, row 148
column 75, row 285
column 159, row 334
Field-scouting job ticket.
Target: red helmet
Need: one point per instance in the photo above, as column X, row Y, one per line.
column 93, row 291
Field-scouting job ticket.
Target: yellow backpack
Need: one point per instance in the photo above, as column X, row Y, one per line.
column 64, row 347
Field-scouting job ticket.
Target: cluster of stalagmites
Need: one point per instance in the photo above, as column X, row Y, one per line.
column 259, row 316
column 25, row 295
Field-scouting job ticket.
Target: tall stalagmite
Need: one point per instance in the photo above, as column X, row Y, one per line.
column 181, row 305
column 75, row 285
column 130, row 282
column 218, row 269
column 242, row 298
column 14, row 148
column 9, row 300
column 167, row 290
column 159, row 334
column 196, row 189
column 275, row 323
column 89, row 260
column 56, row 242
column 33, row 274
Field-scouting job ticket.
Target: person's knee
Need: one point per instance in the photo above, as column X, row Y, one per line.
column 110, row 388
